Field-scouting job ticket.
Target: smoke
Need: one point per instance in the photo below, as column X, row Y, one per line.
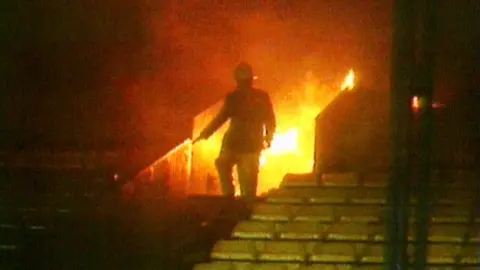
column 196, row 45
column 89, row 70
column 101, row 70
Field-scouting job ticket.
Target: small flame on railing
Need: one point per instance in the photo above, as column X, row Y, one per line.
column 349, row 81
column 416, row 103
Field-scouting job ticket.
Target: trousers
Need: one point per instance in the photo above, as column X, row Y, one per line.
column 247, row 171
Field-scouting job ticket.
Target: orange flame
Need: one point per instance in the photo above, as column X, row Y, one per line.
column 349, row 81
column 283, row 143
column 292, row 148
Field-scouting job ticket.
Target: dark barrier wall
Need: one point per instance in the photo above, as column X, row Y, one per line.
column 352, row 132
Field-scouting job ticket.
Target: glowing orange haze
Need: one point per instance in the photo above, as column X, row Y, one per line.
column 293, row 144
column 292, row 149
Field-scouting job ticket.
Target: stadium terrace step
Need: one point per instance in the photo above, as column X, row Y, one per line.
column 368, row 195
column 329, row 196
column 473, row 235
column 376, row 180
column 308, row 230
column 354, row 232
column 10, row 239
column 331, row 252
column 250, row 266
column 316, row 266
column 314, row 213
column 373, row 254
column 357, row 213
column 340, row 179
column 301, row 230
column 451, row 214
column 451, row 196
column 289, row 251
column 273, row 212
column 336, row 252
column 299, row 180
column 442, row 254
column 328, row 267
column 338, row 223
column 292, row 196
column 309, row 195
column 250, row 229
column 447, row 233
column 470, row 254
column 234, row 250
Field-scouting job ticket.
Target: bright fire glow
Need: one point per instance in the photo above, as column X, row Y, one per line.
column 283, row 143
column 292, row 148
column 349, row 82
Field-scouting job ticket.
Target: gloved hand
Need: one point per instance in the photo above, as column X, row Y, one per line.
column 267, row 144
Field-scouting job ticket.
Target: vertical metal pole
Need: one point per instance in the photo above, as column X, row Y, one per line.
column 403, row 62
column 426, row 89
column 476, row 98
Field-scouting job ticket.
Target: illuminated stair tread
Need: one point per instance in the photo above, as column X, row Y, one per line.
column 368, row 196
column 338, row 224
column 340, row 179
column 272, row 212
column 299, row 180
column 442, row 253
column 282, row 250
column 234, row 250
column 275, row 266
column 334, row 253
column 254, row 230
column 470, row 254
column 301, row 230
column 290, row 195
column 364, row 214
column 450, row 214
column 327, row 267
column 353, row 232
column 373, row 254
column 447, row 233
column 329, row 195
column 314, row 213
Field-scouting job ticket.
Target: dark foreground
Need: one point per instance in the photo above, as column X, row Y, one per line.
column 79, row 220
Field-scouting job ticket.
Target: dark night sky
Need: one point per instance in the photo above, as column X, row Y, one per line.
column 138, row 71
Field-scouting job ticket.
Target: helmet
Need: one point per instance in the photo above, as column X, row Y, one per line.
column 243, row 72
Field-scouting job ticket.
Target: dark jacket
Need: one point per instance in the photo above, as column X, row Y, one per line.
column 250, row 112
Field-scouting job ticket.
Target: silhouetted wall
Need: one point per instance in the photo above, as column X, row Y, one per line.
column 352, row 133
